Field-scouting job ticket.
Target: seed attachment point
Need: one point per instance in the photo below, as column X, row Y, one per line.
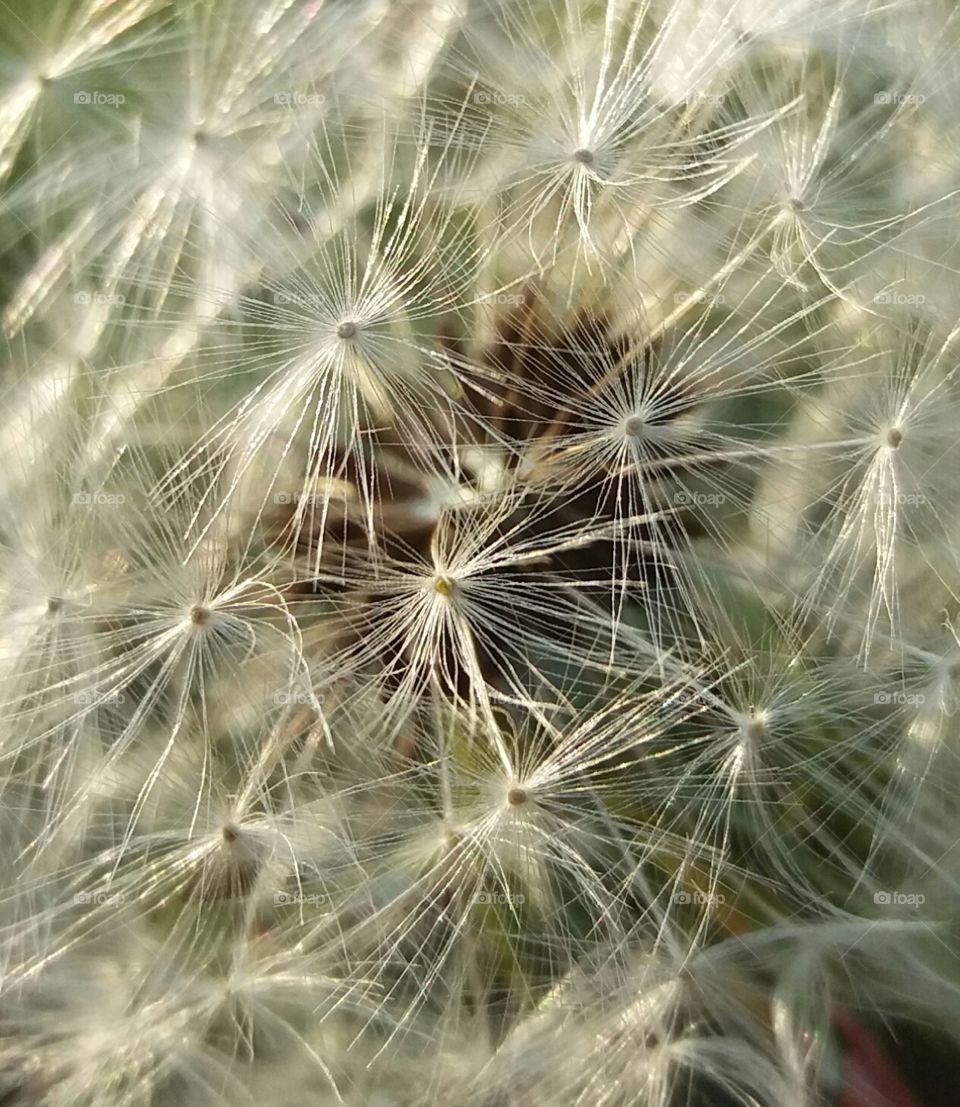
column 516, row 797
column 756, row 729
column 200, row 615
column 443, row 587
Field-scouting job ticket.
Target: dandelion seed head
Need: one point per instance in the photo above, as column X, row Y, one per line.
column 486, row 585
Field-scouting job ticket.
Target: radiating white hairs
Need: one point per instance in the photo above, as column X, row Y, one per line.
column 478, row 551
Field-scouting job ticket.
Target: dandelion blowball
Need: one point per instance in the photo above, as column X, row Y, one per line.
column 479, row 529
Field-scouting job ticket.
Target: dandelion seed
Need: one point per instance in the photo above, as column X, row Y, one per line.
column 891, row 483
column 583, row 148
column 335, row 355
